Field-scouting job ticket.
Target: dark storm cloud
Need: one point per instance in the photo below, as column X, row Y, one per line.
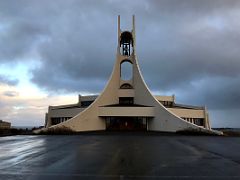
column 18, row 39
column 10, row 93
column 9, row 81
column 180, row 44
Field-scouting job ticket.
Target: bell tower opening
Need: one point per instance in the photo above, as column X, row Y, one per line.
column 126, row 43
column 126, row 70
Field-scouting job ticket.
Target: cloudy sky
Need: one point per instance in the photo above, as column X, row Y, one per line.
column 51, row 51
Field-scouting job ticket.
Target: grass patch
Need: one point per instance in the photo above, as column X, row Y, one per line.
column 57, row 131
column 195, row 132
column 14, row 131
column 230, row 131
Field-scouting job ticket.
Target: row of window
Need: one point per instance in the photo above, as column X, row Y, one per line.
column 57, row 120
column 197, row 121
column 86, row 103
column 167, row 103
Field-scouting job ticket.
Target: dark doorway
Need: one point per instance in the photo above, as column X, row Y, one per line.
column 126, row 123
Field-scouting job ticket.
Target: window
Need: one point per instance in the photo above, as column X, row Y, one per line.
column 126, row 100
column 57, row 120
column 167, row 103
column 198, row 121
column 86, row 103
column 126, row 86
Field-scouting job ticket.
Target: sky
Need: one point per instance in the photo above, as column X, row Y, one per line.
column 51, row 51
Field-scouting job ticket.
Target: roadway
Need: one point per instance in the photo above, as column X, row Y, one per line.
column 119, row 156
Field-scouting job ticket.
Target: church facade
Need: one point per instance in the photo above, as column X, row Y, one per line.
column 127, row 104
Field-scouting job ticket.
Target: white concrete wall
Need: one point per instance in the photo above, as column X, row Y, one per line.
column 126, row 93
column 65, row 112
column 87, row 98
column 126, row 111
column 188, row 113
column 165, row 98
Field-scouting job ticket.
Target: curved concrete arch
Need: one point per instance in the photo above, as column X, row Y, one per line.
column 164, row 119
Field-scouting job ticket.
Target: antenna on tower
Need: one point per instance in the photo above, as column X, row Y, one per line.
column 119, row 28
column 133, row 30
column 133, row 23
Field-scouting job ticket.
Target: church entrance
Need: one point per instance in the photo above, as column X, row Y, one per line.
column 126, row 123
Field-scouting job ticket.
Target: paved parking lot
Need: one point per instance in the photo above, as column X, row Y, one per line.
column 119, row 156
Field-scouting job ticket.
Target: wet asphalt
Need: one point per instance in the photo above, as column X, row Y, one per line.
column 119, row 156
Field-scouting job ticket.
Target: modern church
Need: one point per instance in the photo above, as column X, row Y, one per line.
column 127, row 104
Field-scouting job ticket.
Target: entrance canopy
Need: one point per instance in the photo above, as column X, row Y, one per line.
column 126, row 111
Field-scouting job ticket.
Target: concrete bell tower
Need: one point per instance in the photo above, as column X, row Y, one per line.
column 127, row 103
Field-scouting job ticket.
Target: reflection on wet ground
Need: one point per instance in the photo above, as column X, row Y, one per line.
column 119, row 156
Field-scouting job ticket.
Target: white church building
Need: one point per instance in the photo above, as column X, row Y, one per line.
column 127, row 104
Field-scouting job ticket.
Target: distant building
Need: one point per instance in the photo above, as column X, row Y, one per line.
column 5, row 125
column 127, row 104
